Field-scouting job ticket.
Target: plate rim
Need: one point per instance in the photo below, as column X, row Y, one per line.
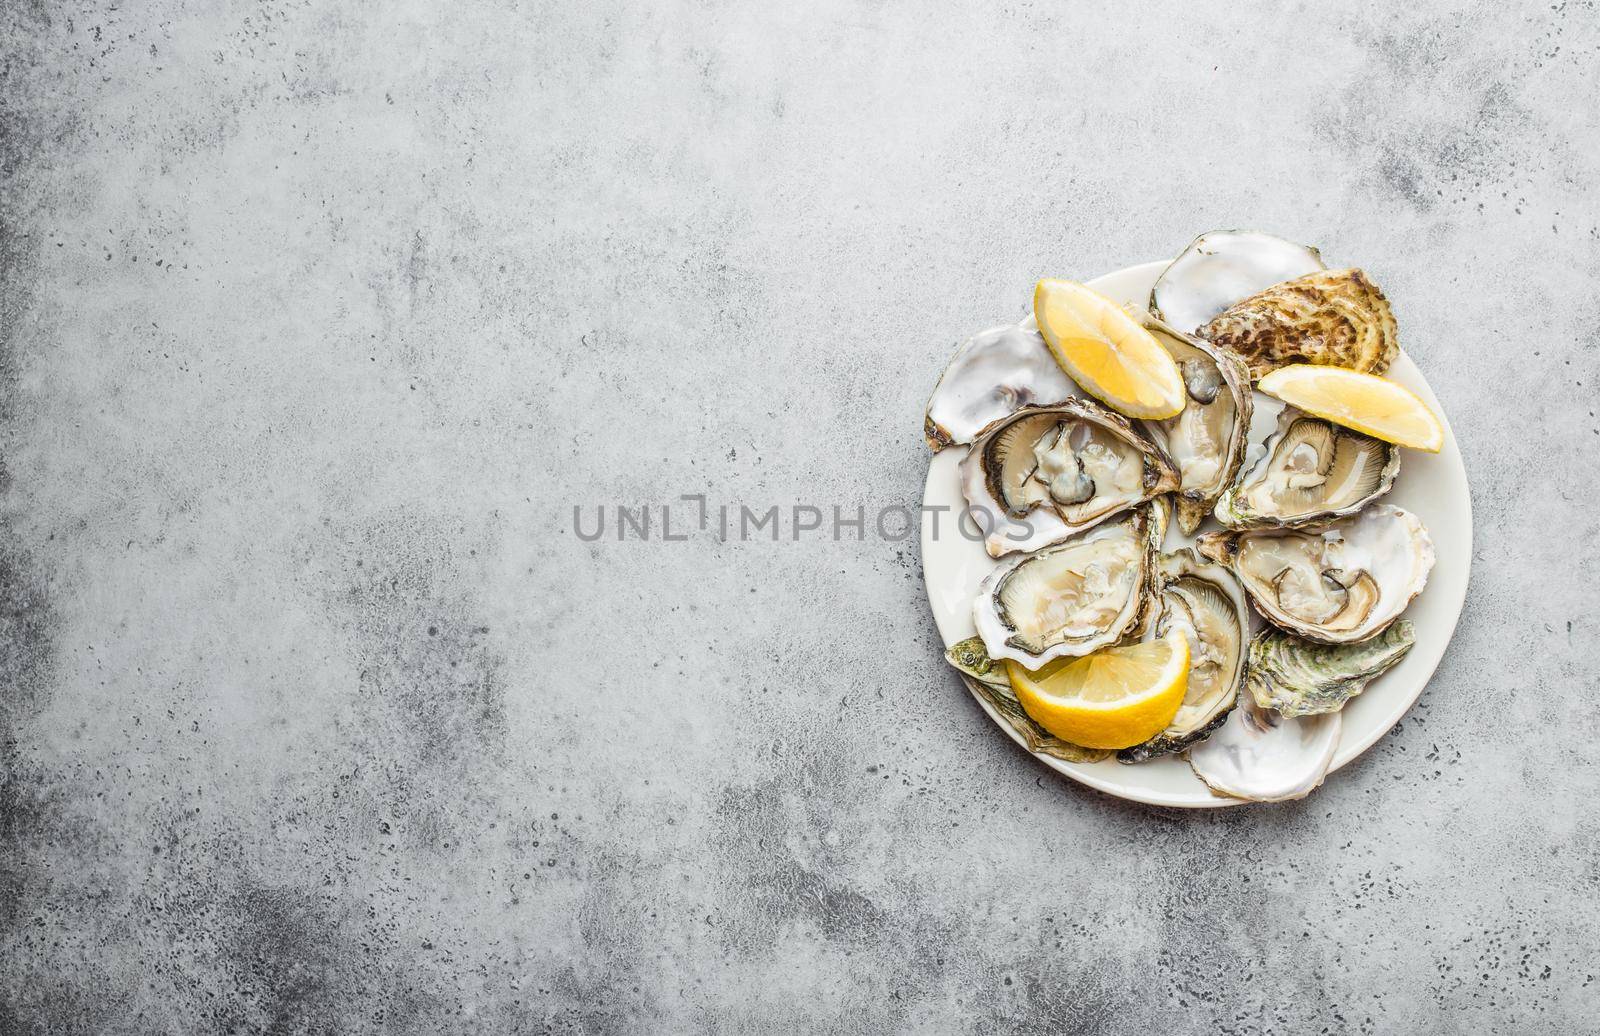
column 1347, row 753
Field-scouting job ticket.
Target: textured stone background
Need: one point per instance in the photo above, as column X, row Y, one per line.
column 319, row 319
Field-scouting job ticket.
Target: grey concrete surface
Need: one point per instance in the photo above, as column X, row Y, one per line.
column 319, row 319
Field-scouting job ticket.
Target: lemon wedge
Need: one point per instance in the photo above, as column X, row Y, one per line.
column 1115, row 698
column 1106, row 351
column 1371, row 405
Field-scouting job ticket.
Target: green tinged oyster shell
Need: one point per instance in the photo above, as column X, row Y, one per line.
column 1301, row 678
column 987, row 679
column 972, row 659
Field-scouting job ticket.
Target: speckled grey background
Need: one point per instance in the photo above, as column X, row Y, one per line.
column 315, row 715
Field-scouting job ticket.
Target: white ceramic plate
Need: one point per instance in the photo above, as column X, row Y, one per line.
column 1432, row 486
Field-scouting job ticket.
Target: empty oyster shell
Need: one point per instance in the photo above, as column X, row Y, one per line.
column 1221, row 267
column 1204, row 600
column 1207, row 440
column 1264, row 756
column 1072, row 598
column 1337, row 583
column 1312, row 470
column 987, row 679
column 1046, row 473
column 1336, row 318
column 1299, row 678
column 991, row 375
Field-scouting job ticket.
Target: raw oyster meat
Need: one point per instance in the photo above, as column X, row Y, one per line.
column 987, row 679
column 1336, row 318
column 1046, row 473
column 991, row 375
column 1207, row 440
column 1299, row 678
column 1264, row 756
column 1221, row 267
column 1313, row 470
column 1204, row 600
column 1071, row 598
column 1338, row 583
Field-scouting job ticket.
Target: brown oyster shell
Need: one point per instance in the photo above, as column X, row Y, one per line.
column 1336, row 318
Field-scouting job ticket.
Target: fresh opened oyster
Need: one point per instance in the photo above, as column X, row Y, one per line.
column 1313, row 470
column 987, row 679
column 1299, row 678
column 1072, row 598
column 1207, row 440
column 1220, row 268
column 1204, row 600
column 1264, row 756
column 1338, row 583
column 1046, row 473
column 991, row 375
column 1336, row 318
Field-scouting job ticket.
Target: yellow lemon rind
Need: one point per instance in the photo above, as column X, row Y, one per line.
column 1284, row 382
column 1149, row 363
column 1108, row 725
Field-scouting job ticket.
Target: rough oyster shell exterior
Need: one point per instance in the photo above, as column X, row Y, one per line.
column 987, row 679
column 1300, row 678
column 1336, row 318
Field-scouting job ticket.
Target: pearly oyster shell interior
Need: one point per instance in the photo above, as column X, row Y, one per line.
column 1046, row 473
column 1206, row 441
column 1071, row 598
column 1204, row 600
column 1264, row 756
column 1341, row 582
column 1221, row 267
column 993, row 374
column 1311, row 470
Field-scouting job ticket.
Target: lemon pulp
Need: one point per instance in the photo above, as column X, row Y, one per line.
column 1106, row 351
column 1114, row 698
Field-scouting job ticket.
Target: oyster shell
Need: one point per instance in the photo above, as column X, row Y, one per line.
column 1204, row 600
column 1312, row 470
column 987, row 679
column 1046, row 473
column 1264, row 756
column 991, row 375
column 1221, row 267
column 1160, row 517
column 1338, row 583
column 1336, row 318
column 1071, row 598
column 1299, row 678
column 1207, row 440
